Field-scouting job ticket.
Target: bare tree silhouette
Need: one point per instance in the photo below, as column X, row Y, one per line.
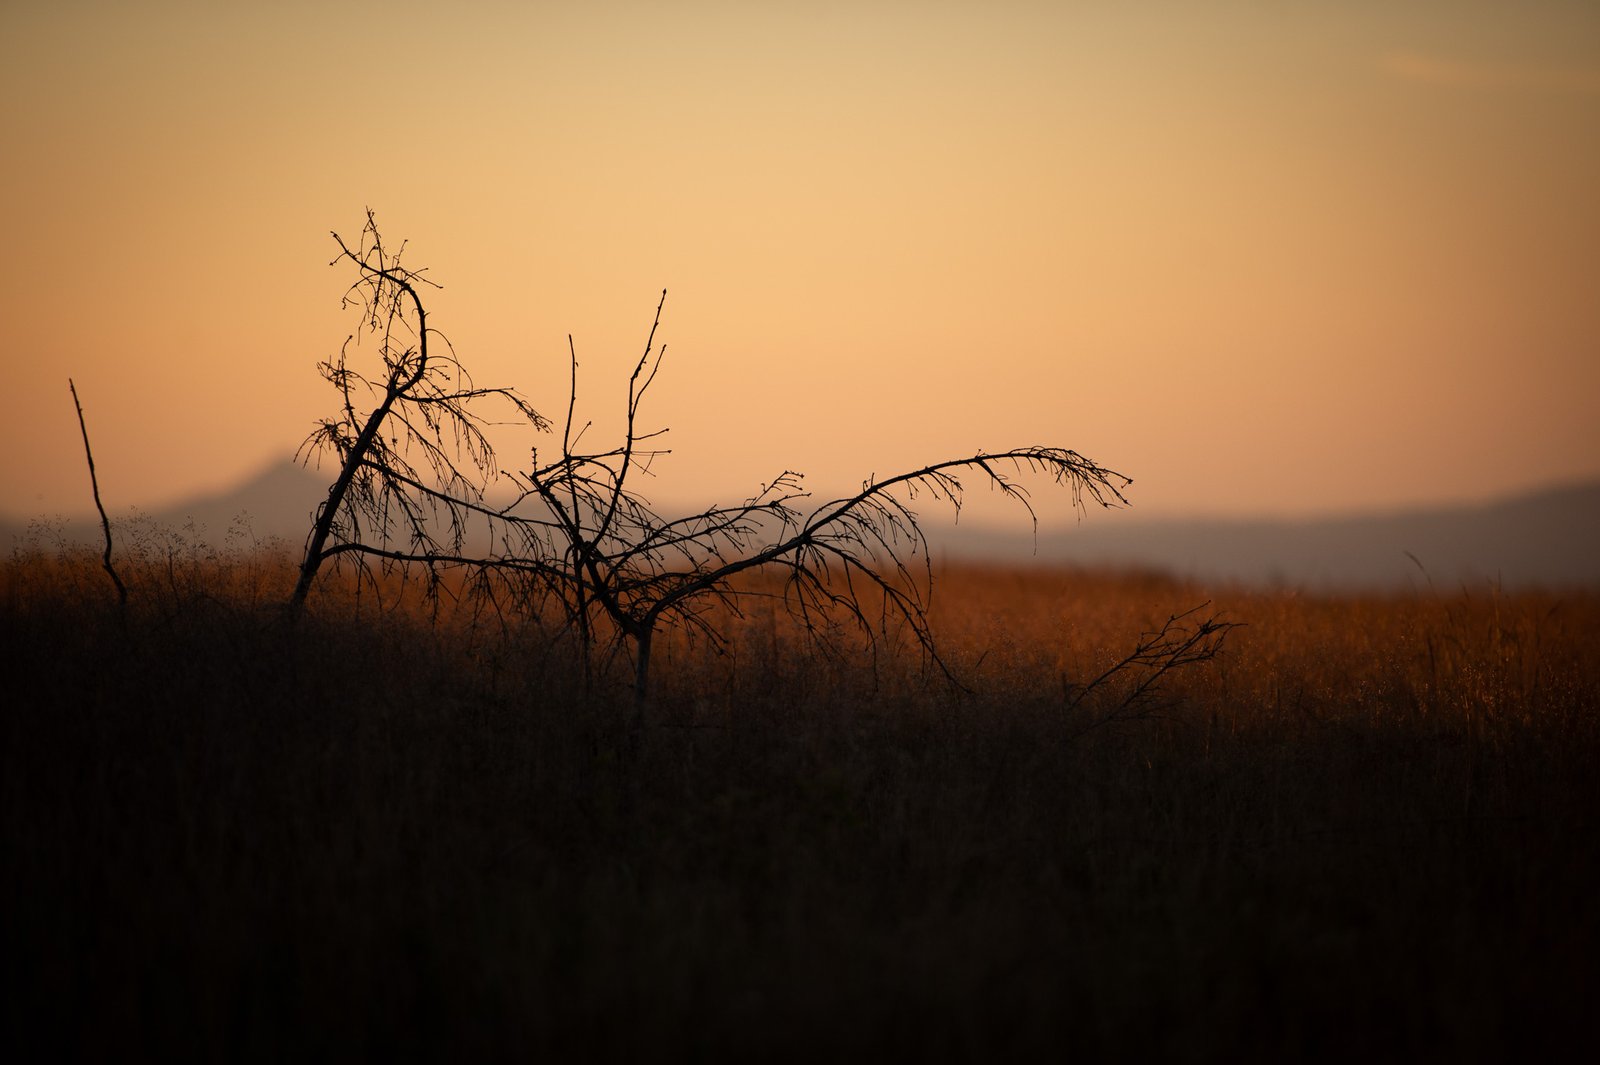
column 578, row 535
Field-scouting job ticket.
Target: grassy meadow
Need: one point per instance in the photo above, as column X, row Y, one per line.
column 1367, row 828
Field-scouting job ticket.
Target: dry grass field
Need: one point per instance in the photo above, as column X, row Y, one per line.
column 1366, row 830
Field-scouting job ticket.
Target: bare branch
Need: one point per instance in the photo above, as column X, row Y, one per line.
column 1183, row 640
column 423, row 406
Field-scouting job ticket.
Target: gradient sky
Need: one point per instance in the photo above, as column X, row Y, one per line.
column 1266, row 258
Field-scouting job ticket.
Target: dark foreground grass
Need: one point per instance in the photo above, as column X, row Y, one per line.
column 1368, row 830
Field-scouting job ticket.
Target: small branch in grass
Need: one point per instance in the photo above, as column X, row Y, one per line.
column 1184, row 639
column 94, row 484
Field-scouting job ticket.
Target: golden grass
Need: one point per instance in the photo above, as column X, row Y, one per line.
column 1366, row 829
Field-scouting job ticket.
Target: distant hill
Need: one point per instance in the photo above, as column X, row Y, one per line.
column 277, row 502
column 1544, row 538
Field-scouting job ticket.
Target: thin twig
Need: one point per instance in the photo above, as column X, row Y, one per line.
column 94, row 483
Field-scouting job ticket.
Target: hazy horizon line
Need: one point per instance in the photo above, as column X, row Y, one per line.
column 213, row 497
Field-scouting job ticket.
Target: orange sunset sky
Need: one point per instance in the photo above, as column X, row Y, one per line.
column 1266, row 258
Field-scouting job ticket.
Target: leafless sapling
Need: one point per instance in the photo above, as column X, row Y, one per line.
column 577, row 532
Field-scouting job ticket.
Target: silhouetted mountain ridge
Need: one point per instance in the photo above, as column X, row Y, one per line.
column 1545, row 537
column 276, row 502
